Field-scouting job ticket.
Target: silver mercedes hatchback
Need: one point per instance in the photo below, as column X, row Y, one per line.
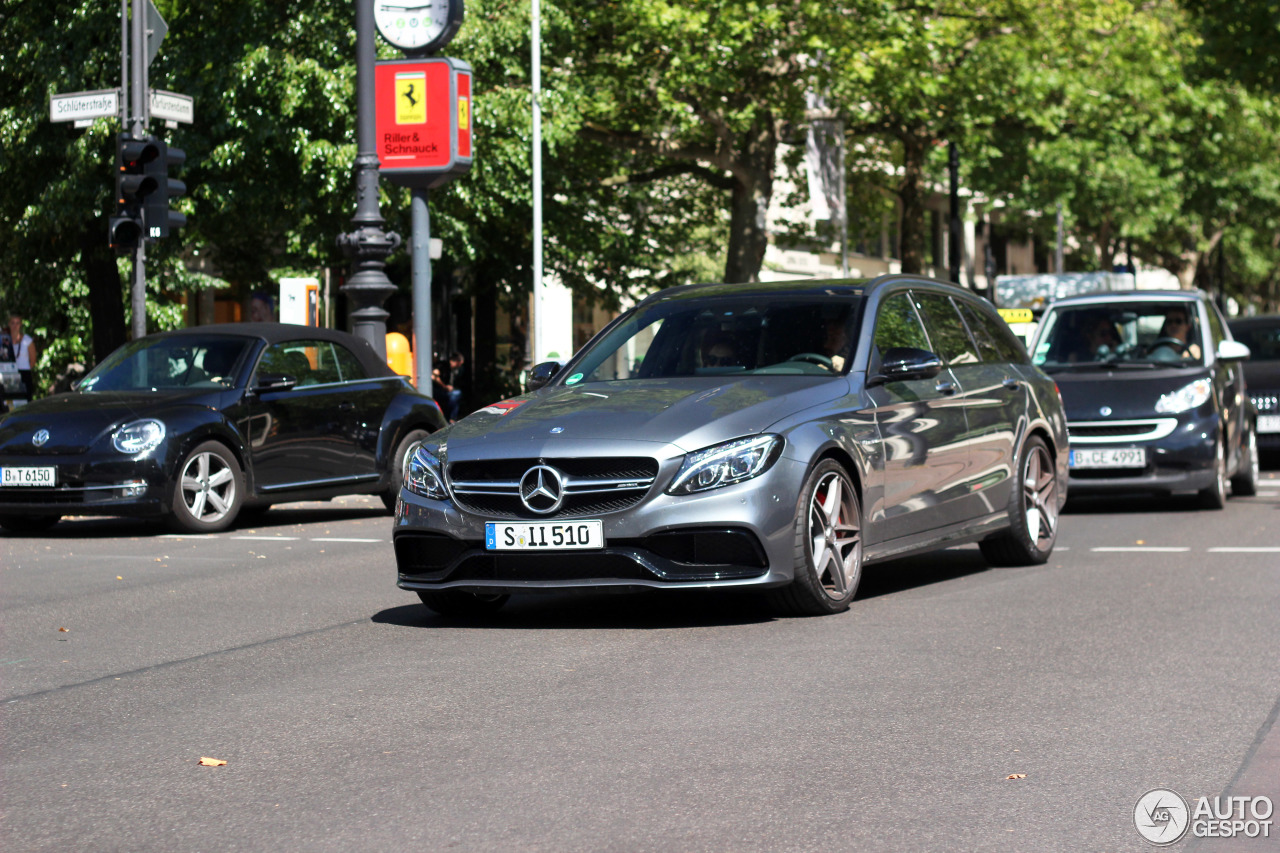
column 778, row 436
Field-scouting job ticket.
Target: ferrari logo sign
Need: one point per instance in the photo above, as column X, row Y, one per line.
column 411, row 98
column 423, row 120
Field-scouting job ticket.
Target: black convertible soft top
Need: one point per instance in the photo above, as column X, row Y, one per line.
column 274, row 333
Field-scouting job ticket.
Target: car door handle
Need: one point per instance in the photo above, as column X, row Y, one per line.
column 946, row 386
column 1011, row 383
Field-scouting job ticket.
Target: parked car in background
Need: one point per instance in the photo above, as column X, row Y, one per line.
column 1262, row 372
column 199, row 424
column 1154, row 392
column 775, row 436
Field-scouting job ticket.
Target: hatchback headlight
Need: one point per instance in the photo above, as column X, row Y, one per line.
column 423, row 475
column 138, row 437
column 722, row 464
column 1185, row 398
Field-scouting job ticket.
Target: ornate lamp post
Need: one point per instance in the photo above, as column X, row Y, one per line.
column 368, row 245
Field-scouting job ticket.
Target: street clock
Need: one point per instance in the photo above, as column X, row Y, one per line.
column 418, row 26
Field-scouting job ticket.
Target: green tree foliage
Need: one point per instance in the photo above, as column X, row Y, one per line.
column 664, row 130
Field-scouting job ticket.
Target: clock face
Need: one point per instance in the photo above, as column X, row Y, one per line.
column 417, row 24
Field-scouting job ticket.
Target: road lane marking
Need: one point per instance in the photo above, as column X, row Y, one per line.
column 1144, row 548
column 1246, row 549
column 327, row 539
column 269, row 538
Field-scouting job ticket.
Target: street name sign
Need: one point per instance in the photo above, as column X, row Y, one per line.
column 81, row 106
column 172, row 106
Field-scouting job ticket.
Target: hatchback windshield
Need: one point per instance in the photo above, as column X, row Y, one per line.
column 1139, row 334
column 159, row 364
column 724, row 336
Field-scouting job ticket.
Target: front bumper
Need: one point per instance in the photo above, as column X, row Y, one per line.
column 1181, row 461
column 87, row 485
column 741, row 535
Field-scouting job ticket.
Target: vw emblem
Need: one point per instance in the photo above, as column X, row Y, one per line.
column 1104, row 411
column 542, row 489
column 557, row 430
column 40, row 437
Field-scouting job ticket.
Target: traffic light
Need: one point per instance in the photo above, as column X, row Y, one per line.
column 133, row 186
column 157, row 216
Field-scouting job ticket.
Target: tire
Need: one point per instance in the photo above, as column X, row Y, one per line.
column 1215, row 497
column 28, row 523
column 1245, row 483
column 828, row 545
column 396, row 462
column 1033, row 511
column 207, row 490
column 455, row 602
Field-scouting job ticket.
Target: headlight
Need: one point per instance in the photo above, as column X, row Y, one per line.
column 1186, row 398
column 722, row 464
column 138, row 437
column 423, row 475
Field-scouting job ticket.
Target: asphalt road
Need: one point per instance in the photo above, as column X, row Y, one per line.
column 1144, row 655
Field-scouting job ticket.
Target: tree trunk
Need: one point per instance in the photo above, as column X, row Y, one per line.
column 749, row 205
column 106, row 296
column 911, row 194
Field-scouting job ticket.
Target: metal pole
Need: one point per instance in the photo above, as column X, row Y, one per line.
column 539, row 315
column 844, row 207
column 1059, row 265
column 957, row 228
column 368, row 245
column 420, row 243
column 138, row 295
column 124, row 65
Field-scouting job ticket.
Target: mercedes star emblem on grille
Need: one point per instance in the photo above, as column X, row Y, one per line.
column 40, row 437
column 542, row 489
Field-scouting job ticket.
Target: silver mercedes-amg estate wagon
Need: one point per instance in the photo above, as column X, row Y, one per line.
column 777, row 435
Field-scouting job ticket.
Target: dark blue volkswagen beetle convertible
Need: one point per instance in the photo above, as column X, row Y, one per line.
column 198, row 424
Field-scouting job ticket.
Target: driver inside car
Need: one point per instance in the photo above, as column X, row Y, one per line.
column 1176, row 328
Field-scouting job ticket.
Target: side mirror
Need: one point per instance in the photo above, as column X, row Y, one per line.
column 542, row 374
column 273, row 382
column 900, row 364
column 1232, row 351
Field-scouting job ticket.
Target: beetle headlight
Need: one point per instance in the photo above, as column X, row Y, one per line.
column 138, row 437
column 722, row 464
column 1185, row 398
column 423, row 474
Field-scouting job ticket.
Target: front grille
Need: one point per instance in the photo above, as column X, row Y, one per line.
column 1110, row 432
column 592, row 486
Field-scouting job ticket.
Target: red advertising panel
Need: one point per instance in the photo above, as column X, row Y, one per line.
column 423, row 120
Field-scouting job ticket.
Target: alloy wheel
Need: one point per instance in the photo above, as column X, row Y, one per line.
column 208, row 487
column 834, row 535
column 1039, row 489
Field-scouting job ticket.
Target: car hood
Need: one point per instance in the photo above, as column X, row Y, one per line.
column 1129, row 394
column 77, row 421
column 685, row 414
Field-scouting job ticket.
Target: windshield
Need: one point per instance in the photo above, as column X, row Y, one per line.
column 1263, row 341
column 784, row 335
column 1146, row 334
column 160, row 364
